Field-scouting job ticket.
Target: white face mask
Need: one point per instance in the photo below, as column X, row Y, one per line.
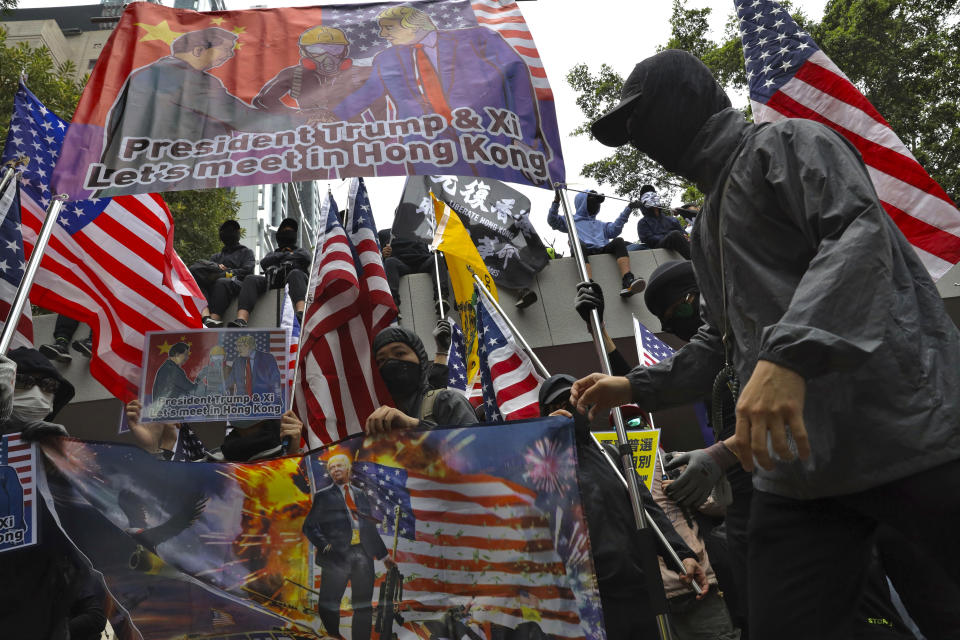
column 216, row 360
column 32, row 404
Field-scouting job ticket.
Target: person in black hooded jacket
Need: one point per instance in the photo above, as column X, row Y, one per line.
column 848, row 415
column 405, row 367
column 235, row 263
column 289, row 265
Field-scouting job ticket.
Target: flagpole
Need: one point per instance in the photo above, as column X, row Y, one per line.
column 7, row 175
column 623, row 445
column 542, row 370
column 23, row 292
column 436, row 271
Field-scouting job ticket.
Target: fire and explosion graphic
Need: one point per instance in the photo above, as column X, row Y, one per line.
column 484, row 524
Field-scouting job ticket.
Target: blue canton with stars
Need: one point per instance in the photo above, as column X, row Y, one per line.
column 774, row 47
column 386, row 487
column 36, row 133
column 490, row 338
column 361, row 216
column 359, row 23
column 654, row 347
column 456, row 365
column 11, row 241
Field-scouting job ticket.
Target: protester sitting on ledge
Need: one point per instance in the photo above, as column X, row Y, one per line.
column 219, row 277
column 63, row 331
column 248, row 440
column 404, row 366
column 289, row 265
column 599, row 237
column 402, row 257
column 657, row 229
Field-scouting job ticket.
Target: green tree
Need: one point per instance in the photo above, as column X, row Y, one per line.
column 197, row 215
column 912, row 84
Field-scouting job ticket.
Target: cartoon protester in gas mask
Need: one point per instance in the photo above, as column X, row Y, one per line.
column 322, row 78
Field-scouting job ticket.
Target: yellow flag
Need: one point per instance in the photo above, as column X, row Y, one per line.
column 452, row 238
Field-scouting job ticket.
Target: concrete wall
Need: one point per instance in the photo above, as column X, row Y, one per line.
column 551, row 325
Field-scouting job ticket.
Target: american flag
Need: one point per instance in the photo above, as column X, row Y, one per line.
column 221, row 618
column 504, row 17
column 471, row 538
column 790, row 77
column 19, row 455
column 12, row 264
column 289, row 322
column 510, row 382
column 110, row 262
column 337, row 386
column 363, row 236
column 456, row 364
column 652, row 349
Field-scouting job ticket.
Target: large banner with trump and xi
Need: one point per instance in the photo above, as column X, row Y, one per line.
column 187, row 100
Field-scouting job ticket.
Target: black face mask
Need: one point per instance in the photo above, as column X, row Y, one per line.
column 401, row 377
column 286, row 238
column 684, row 324
column 230, row 237
column 593, row 204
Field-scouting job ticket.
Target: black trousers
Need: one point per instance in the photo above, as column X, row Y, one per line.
column 220, row 294
column 737, row 518
column 255, row 286
column 676, row 241
column 356, row 567
column 808, row 559
column 65, row 327
column 617, row 247
column 396, row 268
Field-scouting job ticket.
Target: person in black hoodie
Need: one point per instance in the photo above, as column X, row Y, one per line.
column 404, row 256
column 289, row 265
column 235, row 262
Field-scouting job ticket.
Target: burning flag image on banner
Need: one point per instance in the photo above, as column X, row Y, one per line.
column 187, row 100
column 404, row 535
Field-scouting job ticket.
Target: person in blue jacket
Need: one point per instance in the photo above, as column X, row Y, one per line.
column 597, row 236
column 657, row 229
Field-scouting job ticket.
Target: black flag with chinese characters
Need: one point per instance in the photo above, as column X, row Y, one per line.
column 495, row 215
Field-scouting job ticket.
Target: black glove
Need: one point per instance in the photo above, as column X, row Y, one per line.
column 38, row 430
column 635, row 204
column 442, row 334
column 589, row 297
column 695, row 483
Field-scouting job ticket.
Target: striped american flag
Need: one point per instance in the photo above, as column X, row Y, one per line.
column 110, row 262
column 790, row 77
column 510, row 382
column 652, row 348
column 504, row 17
column 348, row 302
column 20, row 456
column 12, row 264
column 289, row 322
column 475, row 539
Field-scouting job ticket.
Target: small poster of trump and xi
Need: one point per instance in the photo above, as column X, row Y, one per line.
column 214, row 374
column 186, row 100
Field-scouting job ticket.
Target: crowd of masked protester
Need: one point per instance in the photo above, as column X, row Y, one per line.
column 700, row 500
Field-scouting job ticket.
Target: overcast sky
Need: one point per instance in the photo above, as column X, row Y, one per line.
column 619, row 33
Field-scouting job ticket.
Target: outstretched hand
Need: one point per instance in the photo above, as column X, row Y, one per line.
column 771, row 403
column 387, row 419
column 598, row 393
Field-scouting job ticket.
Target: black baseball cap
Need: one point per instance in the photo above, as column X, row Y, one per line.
column 553, row 388
column 610, row 129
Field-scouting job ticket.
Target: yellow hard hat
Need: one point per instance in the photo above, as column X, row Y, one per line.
column 217, row 351
column 322, row 35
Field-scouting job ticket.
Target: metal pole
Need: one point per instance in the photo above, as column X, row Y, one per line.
column 7, row 176
column 16, row 307
column 542, row 370
column 623, row 448
column 441, row 307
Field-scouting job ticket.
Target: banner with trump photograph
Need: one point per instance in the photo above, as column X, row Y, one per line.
column 410, row 535
column 185, row 100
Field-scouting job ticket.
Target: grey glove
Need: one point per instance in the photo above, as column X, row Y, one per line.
column 8, row 376
column 695, row 483
column 442, row 335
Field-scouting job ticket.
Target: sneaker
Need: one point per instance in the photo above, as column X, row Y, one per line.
column 57, row 350
column 525, row 299
column 84, row 347
column 210, row 323
column 239, row 322
column 631, row 285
